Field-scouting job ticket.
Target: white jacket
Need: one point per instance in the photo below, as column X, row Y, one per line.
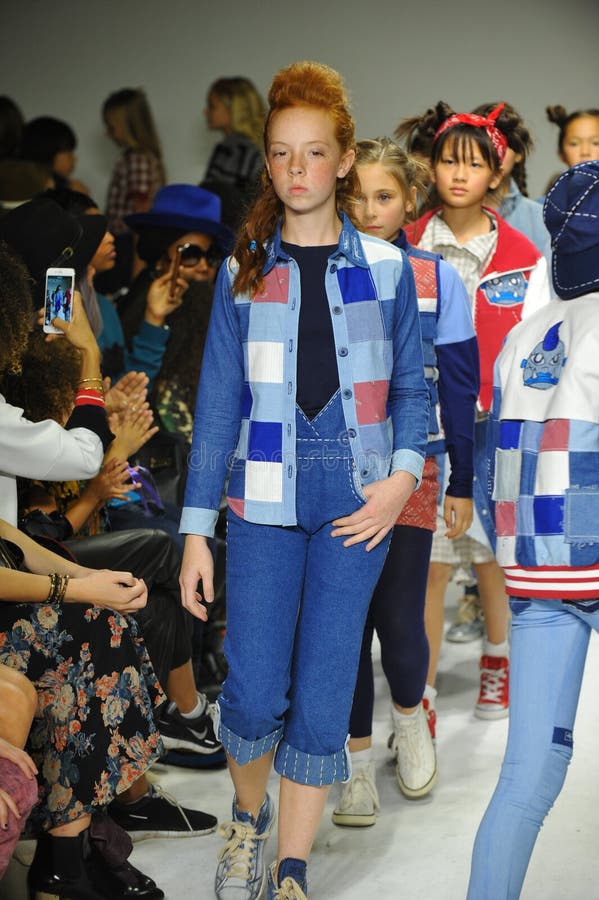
column 42, row 450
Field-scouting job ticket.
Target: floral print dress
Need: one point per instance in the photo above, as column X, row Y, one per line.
column 94, row 732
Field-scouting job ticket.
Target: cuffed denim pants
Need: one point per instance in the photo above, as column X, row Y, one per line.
column 297, row 601
column 548, row 652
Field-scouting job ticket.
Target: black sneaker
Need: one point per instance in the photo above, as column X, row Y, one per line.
column 196, row 735
column 159, row 815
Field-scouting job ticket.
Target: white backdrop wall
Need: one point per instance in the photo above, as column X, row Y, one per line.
column 63, row 58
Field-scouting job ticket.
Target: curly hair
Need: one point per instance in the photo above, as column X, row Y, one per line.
column 16, row 311
column 302, row 84
column 408, row 171
column 519, row 138
column 47, row 386
column 557, row 115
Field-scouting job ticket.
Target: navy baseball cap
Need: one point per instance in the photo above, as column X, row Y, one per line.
column 571, row 214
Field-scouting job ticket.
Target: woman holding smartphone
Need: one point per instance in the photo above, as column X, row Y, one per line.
column 64, row 625
column 38, row 231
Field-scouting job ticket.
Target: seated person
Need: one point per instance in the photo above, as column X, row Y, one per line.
column 182, row 229
column 66, row 628
column 18, row 787
column 64, row 511
column 51, row 143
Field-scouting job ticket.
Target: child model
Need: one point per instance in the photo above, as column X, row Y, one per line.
column 312, row 384
column 505, row 276
column 389, row 182
column 546, row 422
column 511, row 198
column 578, row 139
column 511, row 201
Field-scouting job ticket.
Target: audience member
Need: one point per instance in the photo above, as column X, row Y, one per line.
column 51, row 143
column 18, row 786
column 136, row 177
column 235, row 108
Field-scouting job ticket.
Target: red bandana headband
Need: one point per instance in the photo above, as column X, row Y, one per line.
column 498, row 138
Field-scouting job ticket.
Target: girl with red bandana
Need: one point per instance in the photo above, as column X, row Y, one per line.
column 506, row 279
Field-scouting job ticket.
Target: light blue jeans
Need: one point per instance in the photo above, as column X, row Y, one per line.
column 548, row 651
column 296, row 605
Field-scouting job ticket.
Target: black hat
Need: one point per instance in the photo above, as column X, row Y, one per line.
column 44, row 235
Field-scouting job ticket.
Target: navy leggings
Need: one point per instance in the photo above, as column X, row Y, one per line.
column 397, row 613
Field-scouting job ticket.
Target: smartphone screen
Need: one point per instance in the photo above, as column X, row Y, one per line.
column 60, row 285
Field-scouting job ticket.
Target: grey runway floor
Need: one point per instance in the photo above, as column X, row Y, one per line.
column 418, row 850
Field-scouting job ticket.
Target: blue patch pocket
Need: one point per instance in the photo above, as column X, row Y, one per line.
column 581, row 524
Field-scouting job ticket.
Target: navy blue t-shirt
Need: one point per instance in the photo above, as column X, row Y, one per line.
column 317, row 374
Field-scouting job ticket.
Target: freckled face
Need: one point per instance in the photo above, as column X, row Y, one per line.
column 304, row 159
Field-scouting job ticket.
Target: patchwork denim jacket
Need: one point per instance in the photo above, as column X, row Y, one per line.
column 245, row 412
column 545, row 465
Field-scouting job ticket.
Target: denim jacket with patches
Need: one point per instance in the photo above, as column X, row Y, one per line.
column 245, row 412
column 545, row 457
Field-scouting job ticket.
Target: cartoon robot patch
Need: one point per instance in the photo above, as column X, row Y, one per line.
column 543, row 365
column 505, row 290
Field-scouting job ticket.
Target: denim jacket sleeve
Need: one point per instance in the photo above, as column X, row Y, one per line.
column 217, row 415
column 408, row 394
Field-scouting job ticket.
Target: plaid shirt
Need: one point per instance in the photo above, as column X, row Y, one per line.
column 469, row 259
column 245, row 411
column 545, row 428
column 136, row 178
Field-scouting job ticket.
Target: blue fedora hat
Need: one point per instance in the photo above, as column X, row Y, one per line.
column 186, row 207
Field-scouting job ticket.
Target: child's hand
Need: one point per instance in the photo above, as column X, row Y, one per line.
column 128, row 393
column 135, row 431
column 160, row 302
column 457, row 512
column 113, row 482
column 198, row 565
column 19, row 757
column 385, row 500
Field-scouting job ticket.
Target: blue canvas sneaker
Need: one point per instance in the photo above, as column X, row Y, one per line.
column 291, row 877
column 241, row 872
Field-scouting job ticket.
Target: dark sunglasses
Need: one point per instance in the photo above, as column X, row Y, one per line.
column 192, row 254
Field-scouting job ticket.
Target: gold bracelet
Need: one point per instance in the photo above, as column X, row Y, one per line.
column 53, row 587
column 58, row 588
column 63, row 589
column 85, row 380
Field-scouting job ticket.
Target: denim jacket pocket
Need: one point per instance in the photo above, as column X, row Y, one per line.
column 506, row 484
column 581, row 517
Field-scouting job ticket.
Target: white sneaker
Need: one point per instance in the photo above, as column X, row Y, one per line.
column 359, row 801
column 413, row 748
